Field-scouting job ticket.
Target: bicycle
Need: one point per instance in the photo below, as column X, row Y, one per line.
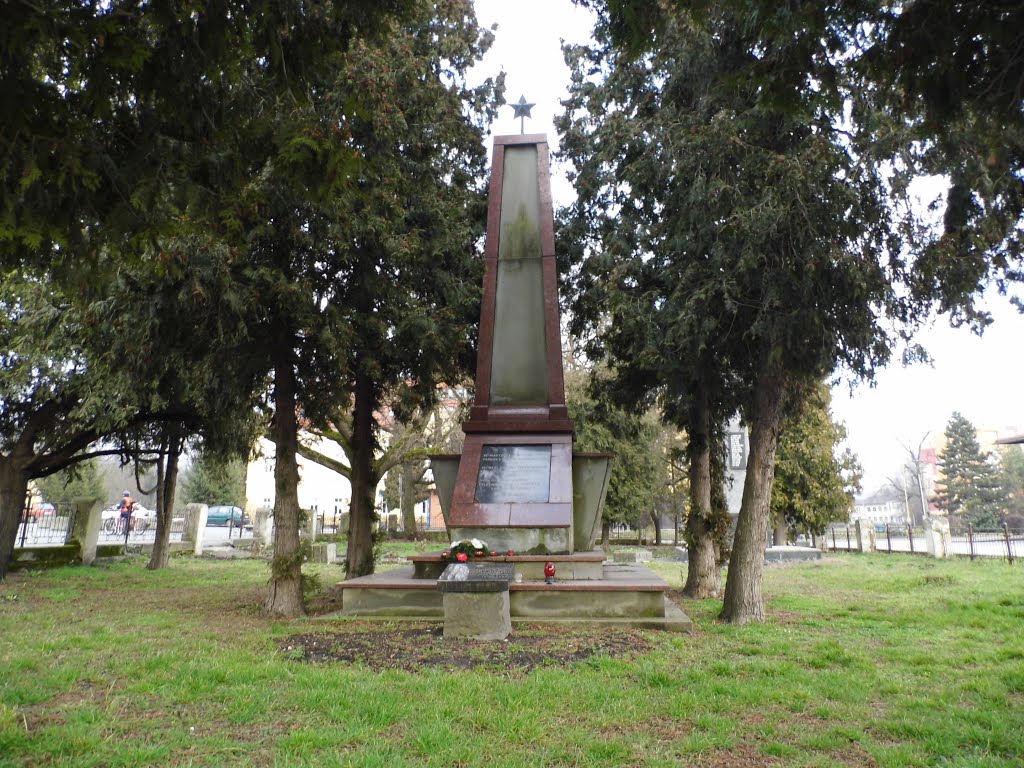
column 114, row 526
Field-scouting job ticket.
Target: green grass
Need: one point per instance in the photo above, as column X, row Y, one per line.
column 865, row 661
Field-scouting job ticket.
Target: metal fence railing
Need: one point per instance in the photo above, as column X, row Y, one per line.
column 141, row 528
column 841, row 538
column 52, row 525
column 329, row 524
column 46, row 526
column 899, row 537
column 1004, row 542
column 964, row 540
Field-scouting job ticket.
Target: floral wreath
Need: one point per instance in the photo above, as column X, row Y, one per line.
column 468, row 549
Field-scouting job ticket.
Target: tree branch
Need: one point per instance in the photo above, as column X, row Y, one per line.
column 324, row 461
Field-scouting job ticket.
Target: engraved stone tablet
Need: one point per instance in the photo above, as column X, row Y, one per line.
column 514, row 474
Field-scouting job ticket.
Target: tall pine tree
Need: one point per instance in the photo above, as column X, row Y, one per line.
column 969, row 487
column 814, row 481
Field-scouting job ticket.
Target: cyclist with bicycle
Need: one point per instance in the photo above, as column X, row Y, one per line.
column 126, row 507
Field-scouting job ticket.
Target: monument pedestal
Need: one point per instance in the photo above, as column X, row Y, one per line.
column 621, row 595
column 514, row 491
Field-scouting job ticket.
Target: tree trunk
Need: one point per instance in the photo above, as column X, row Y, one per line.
column 656, row 519
column 780, row 534
column 13, row 491
column 743, row 600
column 675, row 521
column 359, row 556
column 408, row 498
column 606, row 534
column 703, row 574
column 285, row 595
column 167, row 479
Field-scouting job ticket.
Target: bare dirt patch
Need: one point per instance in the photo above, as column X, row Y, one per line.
column 743, row 756
column 420, row 647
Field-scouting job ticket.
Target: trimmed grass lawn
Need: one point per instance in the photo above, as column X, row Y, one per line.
column 865, row 661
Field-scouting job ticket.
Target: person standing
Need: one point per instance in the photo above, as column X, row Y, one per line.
column 126, row 507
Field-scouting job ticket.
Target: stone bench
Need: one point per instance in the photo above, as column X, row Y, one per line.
column 475, row 598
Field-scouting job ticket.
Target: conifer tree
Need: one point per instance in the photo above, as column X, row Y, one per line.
column 214, row 480
column 814, row 482
column 1011, row 474
column 637, row 470
column 730, row 244
column 969, row 487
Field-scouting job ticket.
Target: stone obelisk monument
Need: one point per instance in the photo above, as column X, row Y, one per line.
column 517, row 485
column 514, row 482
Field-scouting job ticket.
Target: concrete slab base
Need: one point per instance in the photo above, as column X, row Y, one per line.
column 628, row 595
column 771, row 554
column 674, row 620
column 226, row 553
column 634, row 556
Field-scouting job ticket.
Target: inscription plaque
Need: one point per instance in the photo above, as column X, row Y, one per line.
column 514, row 474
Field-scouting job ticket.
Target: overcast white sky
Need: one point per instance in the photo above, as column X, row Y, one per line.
column 983, row 378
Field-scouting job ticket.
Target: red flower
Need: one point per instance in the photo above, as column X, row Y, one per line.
column 479, row 553
column 462, row 557
column 445, row 553
column 495, row 554
column 510, row 553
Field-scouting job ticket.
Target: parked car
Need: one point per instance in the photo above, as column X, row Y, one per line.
column 222, row 514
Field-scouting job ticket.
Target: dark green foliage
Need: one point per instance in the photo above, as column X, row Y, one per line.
column 114, row 114
column 1011, row 477
column 214, row 480
column 718, row 225
column 937, row 91
column 814, row 483
column 638, row 469
column 950, row 74
column 125, row 127
column 392, row 282
column 728, row 242
column 59, row 392
column 969, row 487
column 82, row 480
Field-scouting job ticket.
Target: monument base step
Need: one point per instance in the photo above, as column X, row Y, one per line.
column 526, row 539
column 575, row 566
column 628, row 595
column 674, row 620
